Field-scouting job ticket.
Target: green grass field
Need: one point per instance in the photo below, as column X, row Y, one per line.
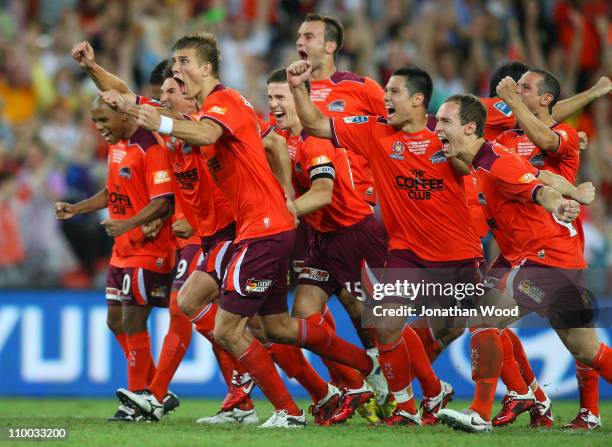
column 86, row 421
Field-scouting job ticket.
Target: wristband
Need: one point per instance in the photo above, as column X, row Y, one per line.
column 165, row 125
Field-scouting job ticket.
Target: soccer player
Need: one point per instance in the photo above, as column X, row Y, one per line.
column 256, row 279
column 414, row 183
column 532, row 225
column 345, row 233
column 138, row 190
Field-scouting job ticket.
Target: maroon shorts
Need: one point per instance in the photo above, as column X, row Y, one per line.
column 256, row 278
column 137, row 287
column 187, row 258
column 554, row 293
column 405, row 265
column 217, row 252
column 335, row 260
column 303, row 236
column 496, row 271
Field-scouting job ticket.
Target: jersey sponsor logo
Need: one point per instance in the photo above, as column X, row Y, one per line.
column 537, row 160
column 438, row 157
column 161, row 177
column 125, row 172
column 397, row 151
column 214, row 166
column 119, row 203
column 218, row 110
column 314, row 274
column 531, row 290
column 257, row 285
column 503, row 108
column 356, row 119
column 187, row 179
column 418, row 186
column 336, row 106
column 527, row 178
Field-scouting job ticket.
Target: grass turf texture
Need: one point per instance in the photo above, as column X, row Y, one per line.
column 86, row 421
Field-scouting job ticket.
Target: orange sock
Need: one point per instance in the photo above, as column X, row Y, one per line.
column 520, row 357
column 602, row 363
column 432, row 347
column 328, row 317
column 318, row 338
column 421, row 366
column 204, row 320
column 291, row 359
column 139, row 360
column 588, row 387
column 173, row 349
column 227, row 363
column 395, row 363
column 487, row 357
column 122, row 340
column 259, row 364
column 510, row 373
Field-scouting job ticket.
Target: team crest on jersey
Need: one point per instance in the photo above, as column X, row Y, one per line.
column 257, row 285
column 438, row 157
column 531, row 290
column 356, row 119
column 537, row 160
column 503, row 108
column 527, row 178
column 481, row 198
column 336, row 106
column 125, row 172
column 398, row 151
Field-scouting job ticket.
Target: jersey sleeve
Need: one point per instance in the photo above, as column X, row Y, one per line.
column 264, row 127
column 506, row 139
column 569, row 142
column 228, row 112
column 158, row 173
column 374, row 98
column 354, row 133
column 318, row 156
column 516, row 178
column 142, row 100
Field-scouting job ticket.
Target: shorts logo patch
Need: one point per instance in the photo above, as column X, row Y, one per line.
column 257, row 285
column 314, row 274
column 218, row 110
column 531, row 290
column 397, row 151
column 161, row 177
column 125, row 172
column 503, row 108
column 356, row 119
column 336, row 106
column 527, row 178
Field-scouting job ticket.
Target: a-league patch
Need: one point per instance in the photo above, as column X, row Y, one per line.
column 531, row 290
column 257, row 285
column 527, row 178
column 503, row 108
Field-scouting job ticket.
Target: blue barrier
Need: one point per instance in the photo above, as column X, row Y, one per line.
column 56, row 343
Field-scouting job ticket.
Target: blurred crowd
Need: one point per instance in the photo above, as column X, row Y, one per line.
column 49, row 149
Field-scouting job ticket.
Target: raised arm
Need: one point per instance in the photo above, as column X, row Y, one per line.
column 314, row 122
column 583, row 193
column 537, row 132
column 566, row 108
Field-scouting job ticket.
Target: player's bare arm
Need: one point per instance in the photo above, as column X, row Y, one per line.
column 155, row 209
column 84, row 55
column 563, row 209
column 152, row 229
column 314, row 122
column 198, row 133
column 583, row 193
column 122, row 103
column 318, row 196
column 96, row 202
column 566, row 108
column 537, row 132
column 181, row 228
column 280, row 163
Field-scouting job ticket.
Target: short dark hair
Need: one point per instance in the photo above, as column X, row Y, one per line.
column 334, row 31
column 548, row 84
column 471, row 109
column 157, row 76
column 280, row 77
column 417, row 81
column 206, row 46
column 168, row 71
column 514, row 69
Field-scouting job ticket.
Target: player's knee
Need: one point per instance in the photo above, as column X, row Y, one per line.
column 225, row 335
column 278, row 334
column 133, row 322
column 114, row 323
column 387, row 336
column 186, row 302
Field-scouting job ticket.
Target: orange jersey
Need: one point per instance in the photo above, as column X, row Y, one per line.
column 508, row 187
column 137, row 174
column 421, row 196
column 316, row 158
column 180, row 242
column 238, row 165
column 347, row 94
column 564, row 161
column 199, row 199
column 499, row 117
